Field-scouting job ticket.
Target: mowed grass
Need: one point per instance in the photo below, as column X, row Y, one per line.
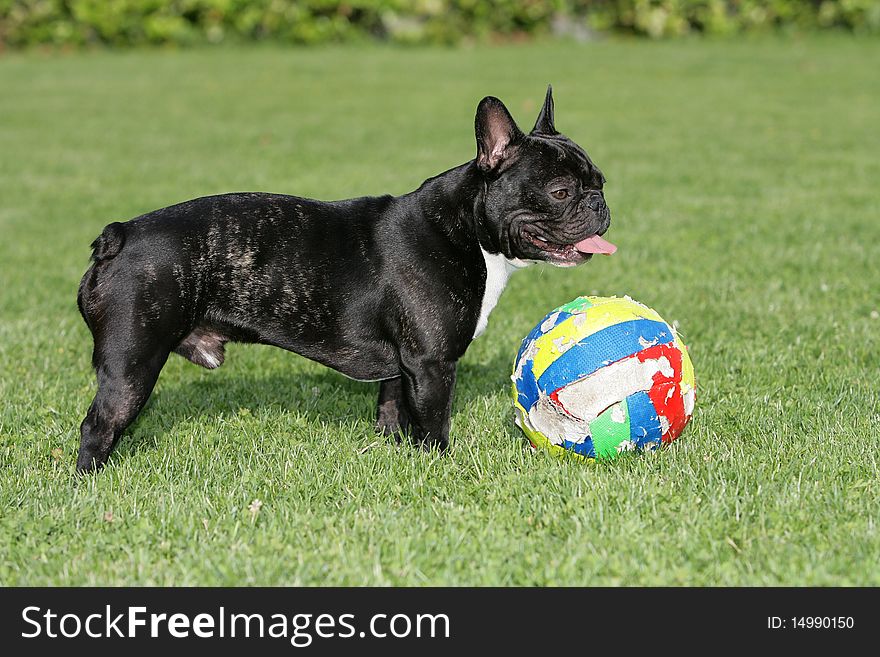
column 742, row 179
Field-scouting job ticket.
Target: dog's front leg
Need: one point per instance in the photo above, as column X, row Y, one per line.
column 427, row 386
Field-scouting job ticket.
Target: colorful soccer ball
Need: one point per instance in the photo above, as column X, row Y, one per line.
column 600, row 376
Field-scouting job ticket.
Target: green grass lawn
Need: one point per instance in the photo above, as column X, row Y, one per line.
column 742, row 179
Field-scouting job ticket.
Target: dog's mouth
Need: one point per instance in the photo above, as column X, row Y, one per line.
column 571, row 254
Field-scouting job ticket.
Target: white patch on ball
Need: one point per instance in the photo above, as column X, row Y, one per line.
column 548, row 323
column 647, row 343
column 664, row 424
column 588, row 397
column 689, row 399
column 556, row 424
column 563, row 344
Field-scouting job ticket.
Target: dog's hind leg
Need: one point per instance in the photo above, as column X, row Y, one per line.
column 391, row 416
column 132, row 311
column 125, row 381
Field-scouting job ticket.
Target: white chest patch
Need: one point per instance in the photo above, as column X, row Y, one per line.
column 498, row 270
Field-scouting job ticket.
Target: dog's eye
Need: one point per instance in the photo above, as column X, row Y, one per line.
column 559, row 194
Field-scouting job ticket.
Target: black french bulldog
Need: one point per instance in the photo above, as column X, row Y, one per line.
column 389, row 289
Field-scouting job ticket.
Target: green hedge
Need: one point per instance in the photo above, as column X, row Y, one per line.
column 134, row 22
column 662, row 18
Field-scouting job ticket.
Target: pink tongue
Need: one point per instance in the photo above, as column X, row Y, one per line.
column 595, row 244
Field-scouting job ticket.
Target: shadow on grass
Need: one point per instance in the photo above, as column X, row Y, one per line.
column 322, row 397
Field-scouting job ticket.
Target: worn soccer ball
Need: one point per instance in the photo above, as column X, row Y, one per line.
column 600, row 376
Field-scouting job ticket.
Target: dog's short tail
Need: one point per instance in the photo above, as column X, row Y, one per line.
column 106, row 247
column 109, row 243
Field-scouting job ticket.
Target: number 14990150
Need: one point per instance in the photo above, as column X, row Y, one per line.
column 810, row 623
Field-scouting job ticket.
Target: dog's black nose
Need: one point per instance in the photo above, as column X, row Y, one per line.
column 594, row 201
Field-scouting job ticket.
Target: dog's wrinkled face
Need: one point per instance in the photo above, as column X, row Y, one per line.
column 543, row 194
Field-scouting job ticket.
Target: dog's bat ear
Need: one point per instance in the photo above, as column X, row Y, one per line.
column 544, row 124
column 497, row 133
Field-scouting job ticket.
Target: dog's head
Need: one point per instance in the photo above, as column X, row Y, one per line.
column 543, row 195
